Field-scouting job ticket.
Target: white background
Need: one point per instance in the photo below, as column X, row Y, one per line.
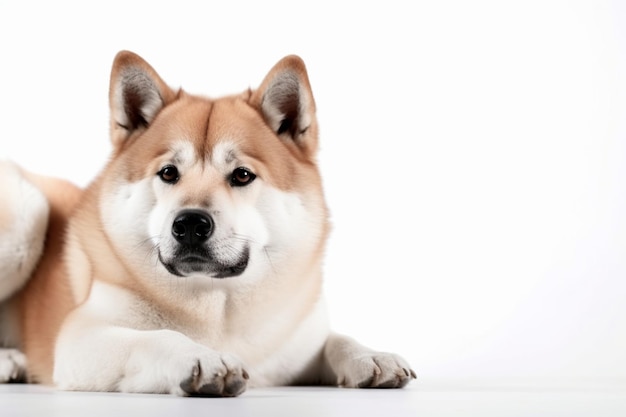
column 474, row 155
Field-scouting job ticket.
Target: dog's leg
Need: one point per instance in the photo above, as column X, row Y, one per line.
column 350, row 364
column 98, row 357
column 23, row 222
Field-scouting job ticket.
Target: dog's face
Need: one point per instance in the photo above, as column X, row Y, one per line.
column 221, row 188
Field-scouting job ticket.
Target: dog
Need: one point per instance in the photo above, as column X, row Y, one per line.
column 192, row 264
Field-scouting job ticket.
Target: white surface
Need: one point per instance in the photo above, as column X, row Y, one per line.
column 474, row 154
column 441, row 398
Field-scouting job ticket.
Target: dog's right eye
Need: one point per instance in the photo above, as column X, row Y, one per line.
column 169, row 174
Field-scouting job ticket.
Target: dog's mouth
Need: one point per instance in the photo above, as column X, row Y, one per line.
column 201, row 262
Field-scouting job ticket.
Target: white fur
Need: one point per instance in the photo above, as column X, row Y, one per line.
column 297, row 353
column 23, row 230
column 125, row 213
column 12, row 365
column 355, row 365
column 104, row 347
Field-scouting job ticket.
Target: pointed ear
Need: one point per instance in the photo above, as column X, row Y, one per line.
column 286, row 102
column 136, row 95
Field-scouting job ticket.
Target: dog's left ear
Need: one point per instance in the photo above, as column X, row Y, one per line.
column 285, row 100
column 136, row 95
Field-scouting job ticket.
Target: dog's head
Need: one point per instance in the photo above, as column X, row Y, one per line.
column 220, row 188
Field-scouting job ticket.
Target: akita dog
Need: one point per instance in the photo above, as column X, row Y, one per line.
column 191, row 265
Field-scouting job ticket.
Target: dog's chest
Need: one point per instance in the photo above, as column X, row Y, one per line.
column 218, row 319
column 267, row 335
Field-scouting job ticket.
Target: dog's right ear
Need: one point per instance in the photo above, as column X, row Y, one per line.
column 286, row 102
column 136, row 95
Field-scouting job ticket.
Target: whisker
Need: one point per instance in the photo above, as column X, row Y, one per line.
column 269, row 259
column 244, row 238
column 153, row 247
column 265, row 249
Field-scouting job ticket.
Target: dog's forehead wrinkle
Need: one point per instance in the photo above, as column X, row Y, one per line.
column 204, row 143
column 188, row 121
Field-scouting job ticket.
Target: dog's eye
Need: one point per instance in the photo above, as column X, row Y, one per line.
column 241, row 176
column 169, row 174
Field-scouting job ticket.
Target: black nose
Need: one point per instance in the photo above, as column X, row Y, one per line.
column 192, row 227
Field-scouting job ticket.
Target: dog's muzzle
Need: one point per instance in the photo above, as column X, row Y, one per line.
column 191, row 229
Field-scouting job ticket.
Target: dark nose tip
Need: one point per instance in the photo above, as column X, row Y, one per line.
column 192, row 227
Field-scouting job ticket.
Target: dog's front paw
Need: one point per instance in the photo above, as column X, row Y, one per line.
column 165, row 361
column 224, row 377
column 12, row 366
column 375, row 370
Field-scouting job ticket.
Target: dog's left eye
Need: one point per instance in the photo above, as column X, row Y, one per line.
column 241, row 176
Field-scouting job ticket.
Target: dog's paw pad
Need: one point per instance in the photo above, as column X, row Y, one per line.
column 12, row 366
